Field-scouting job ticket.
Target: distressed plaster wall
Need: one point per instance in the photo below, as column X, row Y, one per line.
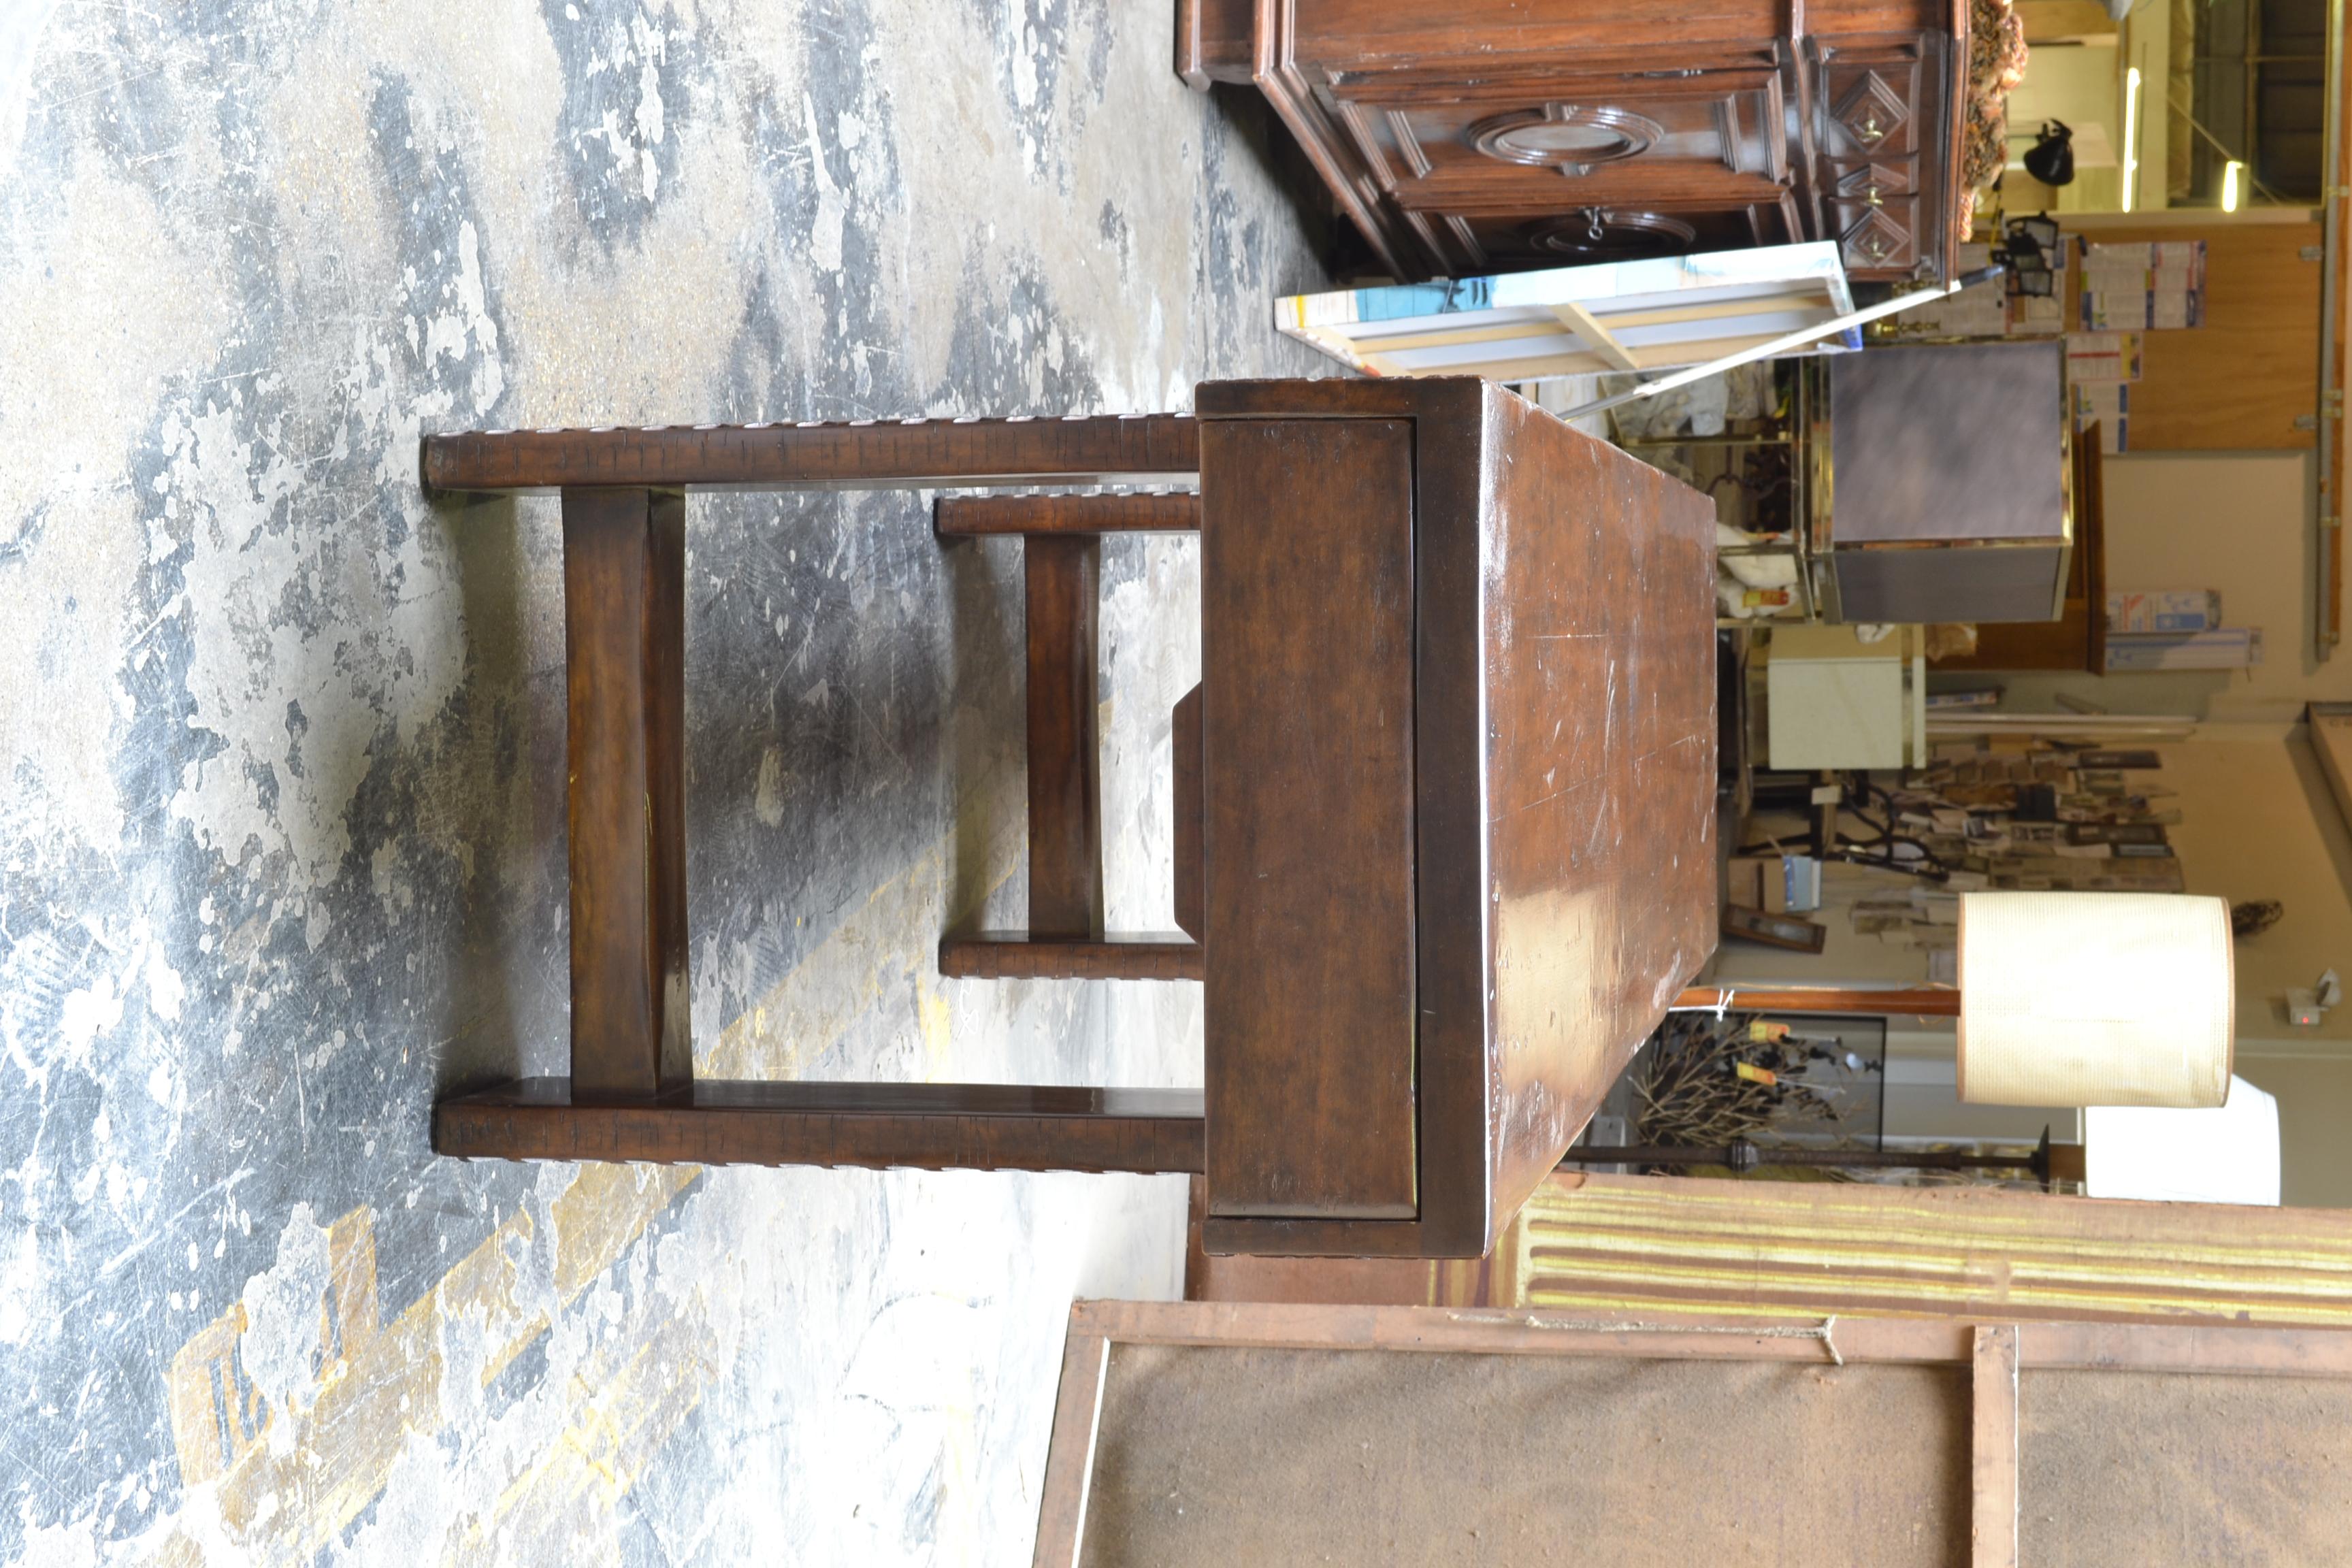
column 281, row 777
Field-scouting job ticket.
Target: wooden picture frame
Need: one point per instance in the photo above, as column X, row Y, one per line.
column 1988, row 1356
column 1785, row 931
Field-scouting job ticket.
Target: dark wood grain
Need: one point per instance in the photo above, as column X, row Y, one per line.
column 935, row 454
column 978, row 516
column 625, row 655
column 1450, row 767
column 1114, row 955
column 1214, row 42
column 1562, row 772
column 929, row 1126
column 1187, row 789
column 1757, row 124
column 1593, row 793
column 1061, row 575
column 1308, row 721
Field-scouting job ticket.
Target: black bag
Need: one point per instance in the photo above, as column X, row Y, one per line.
column 2051, row 160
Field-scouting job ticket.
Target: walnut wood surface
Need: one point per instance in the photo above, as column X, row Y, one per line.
column 931, row 1126
column 1187, row 789
column 976, row 516
column 1308, row 714
column 1061, row 575
column 1562, row 765
column 624, row 658
column 1454, row 759
column 934, row 453
column 1115, row 955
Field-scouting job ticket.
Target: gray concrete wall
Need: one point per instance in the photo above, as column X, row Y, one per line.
column 281, row 756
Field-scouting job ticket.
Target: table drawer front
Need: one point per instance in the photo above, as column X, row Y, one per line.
column 1307, row 717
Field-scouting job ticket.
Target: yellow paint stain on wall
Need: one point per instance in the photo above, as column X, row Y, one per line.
column 288, row 1481
column 936, row 1020
column 622, row 1408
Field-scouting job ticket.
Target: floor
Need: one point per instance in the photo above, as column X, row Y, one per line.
column 281, row 841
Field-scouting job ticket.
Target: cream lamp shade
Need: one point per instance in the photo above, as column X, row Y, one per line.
column 2096, row 999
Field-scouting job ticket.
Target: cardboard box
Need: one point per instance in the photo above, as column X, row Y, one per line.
column 2165, row 610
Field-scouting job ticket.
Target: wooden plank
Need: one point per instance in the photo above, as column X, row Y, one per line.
column 2213, row 1349
column 1663, row 357
column 1368, row 342
column 1114, row 955
column 1596, row 337
column 1993, row 1453
column 1916, row 1002
column 1813, row 299
column 980, row 516
column 2226, row 1349
column 624, row 673
column 1570, row 363
column 929, row 1126
column 1192, row 869
column 1308, row 713
column 1070, row 1454
column 927, row 454
column 1061, row 575
column 1466, row 1331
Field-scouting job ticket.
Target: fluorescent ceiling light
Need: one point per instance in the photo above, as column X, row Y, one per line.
column 2131, row 134
column 2231, row 173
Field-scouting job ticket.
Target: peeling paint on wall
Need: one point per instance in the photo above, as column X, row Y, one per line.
column 281, row 829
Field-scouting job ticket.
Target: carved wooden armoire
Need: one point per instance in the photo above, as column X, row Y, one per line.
column 1474, row 136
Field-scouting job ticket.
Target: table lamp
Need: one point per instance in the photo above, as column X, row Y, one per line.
column 2064, row 999
column 2096, row 999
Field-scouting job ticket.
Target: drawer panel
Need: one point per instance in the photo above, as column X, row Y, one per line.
column 1876, row 237
column 1870, row 108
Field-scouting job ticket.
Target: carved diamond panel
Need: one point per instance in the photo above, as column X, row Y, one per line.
column 1871, row 112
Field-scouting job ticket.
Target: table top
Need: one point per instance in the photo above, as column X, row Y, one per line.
column 1458, row 685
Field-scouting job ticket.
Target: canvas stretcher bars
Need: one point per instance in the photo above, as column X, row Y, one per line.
column 1622, row 316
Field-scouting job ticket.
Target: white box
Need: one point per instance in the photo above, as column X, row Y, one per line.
column 1835, row 701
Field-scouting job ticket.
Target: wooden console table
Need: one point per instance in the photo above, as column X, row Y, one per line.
column 1445, row 816
column 1485, row 135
